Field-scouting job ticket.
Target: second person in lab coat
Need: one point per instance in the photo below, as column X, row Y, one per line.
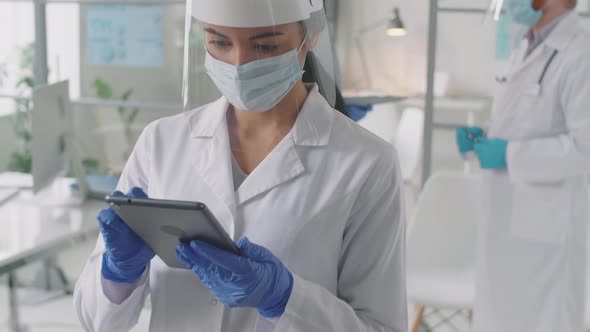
column 531, row 274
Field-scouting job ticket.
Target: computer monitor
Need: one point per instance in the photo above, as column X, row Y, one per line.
column 53, row 148
column 49, row 131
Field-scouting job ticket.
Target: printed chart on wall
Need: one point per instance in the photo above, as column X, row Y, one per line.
column 125, row 35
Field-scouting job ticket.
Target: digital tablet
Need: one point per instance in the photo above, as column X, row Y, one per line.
column 163, row 223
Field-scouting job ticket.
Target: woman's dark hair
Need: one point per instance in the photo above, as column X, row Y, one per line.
column 313, row 72
column 313, row 68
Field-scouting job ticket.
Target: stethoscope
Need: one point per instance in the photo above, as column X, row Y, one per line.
column 504, row 79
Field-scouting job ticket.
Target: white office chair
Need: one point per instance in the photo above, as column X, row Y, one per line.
column 382, row 120
column 441, row 245
column 408, row 143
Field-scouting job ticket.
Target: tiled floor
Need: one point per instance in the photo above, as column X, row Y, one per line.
column 57, row 315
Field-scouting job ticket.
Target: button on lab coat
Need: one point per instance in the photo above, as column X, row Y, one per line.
column 327, row 202
column 532, row 248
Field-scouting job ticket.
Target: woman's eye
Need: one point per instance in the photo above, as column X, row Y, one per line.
column 267, row 47
column 219, row 43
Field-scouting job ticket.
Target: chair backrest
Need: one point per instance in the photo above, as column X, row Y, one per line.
column 408, row 141
column 381, row 121
column 442, row 234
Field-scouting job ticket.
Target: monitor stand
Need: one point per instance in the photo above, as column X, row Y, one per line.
column 58, row 194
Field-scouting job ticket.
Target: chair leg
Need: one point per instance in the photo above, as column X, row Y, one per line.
column 418, row 318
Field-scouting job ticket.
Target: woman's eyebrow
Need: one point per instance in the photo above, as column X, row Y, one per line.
column 211, row 31
column 266, row 35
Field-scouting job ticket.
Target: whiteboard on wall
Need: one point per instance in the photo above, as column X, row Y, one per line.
column 125, row 35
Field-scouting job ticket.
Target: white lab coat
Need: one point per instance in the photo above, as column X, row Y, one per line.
column 532, row 248
column 327, row 201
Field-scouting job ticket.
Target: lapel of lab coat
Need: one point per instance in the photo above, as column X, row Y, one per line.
column 212, row 159
column 557, row 40
column 312, row 128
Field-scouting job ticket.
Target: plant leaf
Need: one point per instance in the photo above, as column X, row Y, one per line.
column 103, row 90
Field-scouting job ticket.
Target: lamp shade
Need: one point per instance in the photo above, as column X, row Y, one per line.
column 396, row 27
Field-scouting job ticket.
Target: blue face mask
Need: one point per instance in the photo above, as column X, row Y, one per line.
column 259, row 85
column 522, row 12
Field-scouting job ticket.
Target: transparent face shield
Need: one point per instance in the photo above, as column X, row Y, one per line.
column 521, row 12
column 495, row 11
column 513, row 19
column 255, row 52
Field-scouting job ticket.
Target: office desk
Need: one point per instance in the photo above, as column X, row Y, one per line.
column 451, row 112
column 31, row 231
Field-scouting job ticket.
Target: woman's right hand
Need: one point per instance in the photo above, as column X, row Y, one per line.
column 464, row 142
column 126, row 255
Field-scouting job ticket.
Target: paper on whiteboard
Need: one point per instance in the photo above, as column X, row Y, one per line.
column 125, row 35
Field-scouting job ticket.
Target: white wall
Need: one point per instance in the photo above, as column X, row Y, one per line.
column 398, row 65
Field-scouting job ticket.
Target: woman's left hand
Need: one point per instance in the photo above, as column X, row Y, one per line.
column 255, row 279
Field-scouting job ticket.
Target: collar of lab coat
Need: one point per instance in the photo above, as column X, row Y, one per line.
column 312, row 127
column 564, row 32
column 558, row 39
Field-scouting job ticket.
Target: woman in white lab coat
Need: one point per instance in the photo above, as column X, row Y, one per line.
column 536, row 159
column 273, row 162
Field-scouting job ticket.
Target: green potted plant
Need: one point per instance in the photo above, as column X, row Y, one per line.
column 21, row 159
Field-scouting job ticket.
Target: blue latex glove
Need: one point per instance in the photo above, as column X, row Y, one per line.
column 357, row 112
column 255, row 279
column 491, row 153
column 126, row 255
column 464, row 142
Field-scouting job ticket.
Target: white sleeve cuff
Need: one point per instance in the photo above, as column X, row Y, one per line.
column 468, row 156
column 266, row 324
column 118, row 292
